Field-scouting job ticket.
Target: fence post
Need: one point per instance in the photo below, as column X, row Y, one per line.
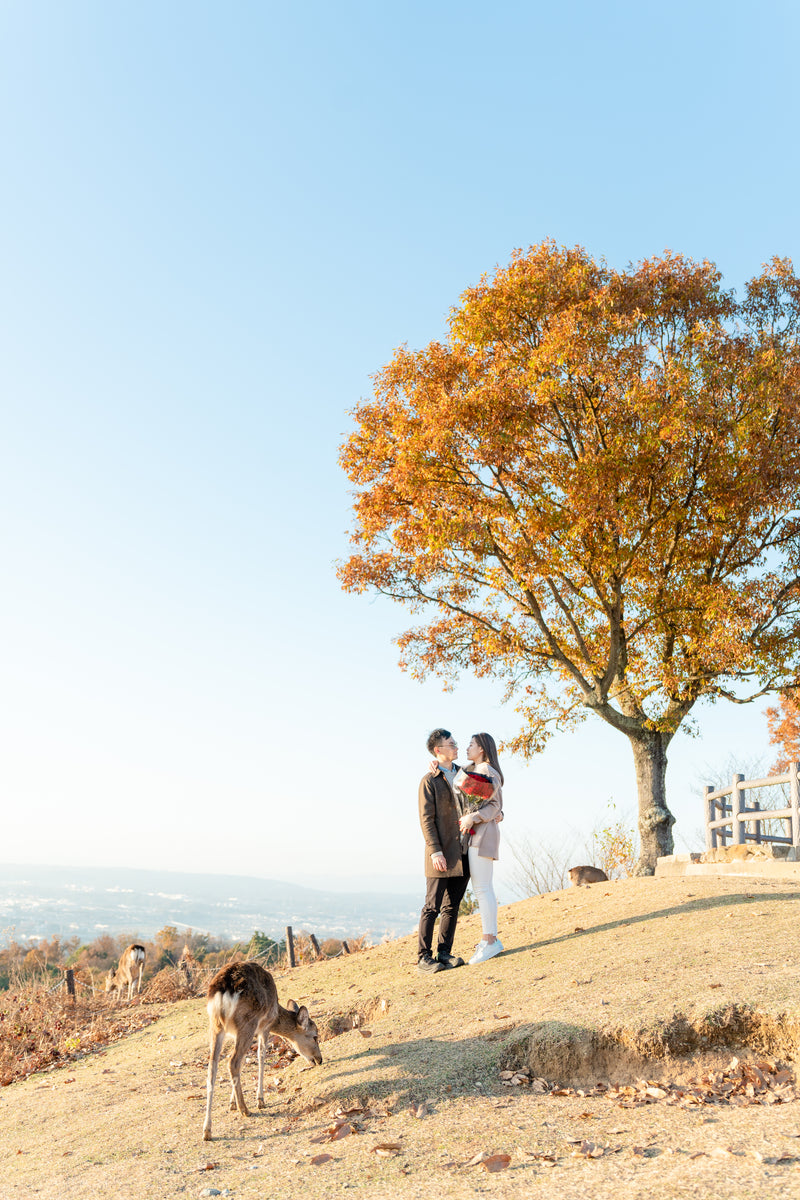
column 736, row 807
column 315, row 944
column 345, row 946
column 794, row 801
column 711, row 809
column 757, row 823
column 290, row 946
column 70, row 974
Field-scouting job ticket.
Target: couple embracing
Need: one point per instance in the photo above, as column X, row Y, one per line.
column 459, row 812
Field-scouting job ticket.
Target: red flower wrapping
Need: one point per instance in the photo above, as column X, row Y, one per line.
column 480, row 787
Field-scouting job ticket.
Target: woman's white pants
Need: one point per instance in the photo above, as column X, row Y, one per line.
column 480, row 873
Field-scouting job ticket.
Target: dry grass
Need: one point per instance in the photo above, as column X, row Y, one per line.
column 656, row 979
column 40, row 1030
column 45, row 1029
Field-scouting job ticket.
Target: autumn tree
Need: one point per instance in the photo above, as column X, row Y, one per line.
column 589, row 490
column 783, row 723
column 166, row 946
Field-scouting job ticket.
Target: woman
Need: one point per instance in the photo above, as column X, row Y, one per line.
column 480, row 827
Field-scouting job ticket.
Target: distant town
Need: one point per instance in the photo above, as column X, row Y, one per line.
column 41, row 901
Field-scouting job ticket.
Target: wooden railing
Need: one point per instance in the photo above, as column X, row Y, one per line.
column 729, row 817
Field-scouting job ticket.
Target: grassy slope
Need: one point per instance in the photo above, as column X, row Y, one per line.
column 622, row 957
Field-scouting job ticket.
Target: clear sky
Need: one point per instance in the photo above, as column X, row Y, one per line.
column 216, row 222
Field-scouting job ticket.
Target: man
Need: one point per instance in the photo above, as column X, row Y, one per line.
column 446, row 868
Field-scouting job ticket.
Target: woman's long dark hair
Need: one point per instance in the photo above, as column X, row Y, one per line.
column 489, row 748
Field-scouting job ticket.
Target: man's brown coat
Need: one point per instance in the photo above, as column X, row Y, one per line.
column 438, row 818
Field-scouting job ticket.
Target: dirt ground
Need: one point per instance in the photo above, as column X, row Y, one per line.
column 657, row 981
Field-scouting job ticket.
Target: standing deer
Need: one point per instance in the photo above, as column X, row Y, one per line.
column 132, row 958
column 243, row 1002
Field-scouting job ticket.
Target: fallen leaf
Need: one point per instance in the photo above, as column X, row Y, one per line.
column 478, row 1158
column 319, row 1159
column 588, row 1150
column 715, row 985
column 656, row 1092
column 386, row 1149
column 496, row 1162
column 209, row 1166
column 365, row 1032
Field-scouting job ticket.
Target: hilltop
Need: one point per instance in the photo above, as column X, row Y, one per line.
column 655, row 980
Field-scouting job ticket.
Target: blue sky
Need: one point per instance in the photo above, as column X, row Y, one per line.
column 217, row 221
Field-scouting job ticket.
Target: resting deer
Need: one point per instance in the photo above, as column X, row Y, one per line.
column 243, row 1001
column 131, row 959
column 581, row 876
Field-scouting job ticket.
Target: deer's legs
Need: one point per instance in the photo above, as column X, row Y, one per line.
column 213, row 1062
column 244, row 1038
column 262, row 1054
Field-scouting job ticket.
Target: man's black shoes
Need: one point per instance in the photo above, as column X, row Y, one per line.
column 430, row 965
column 449, row 960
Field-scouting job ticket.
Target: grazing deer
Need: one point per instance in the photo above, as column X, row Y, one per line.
column 131, row 959
column 243, row 1001
column 581, row 875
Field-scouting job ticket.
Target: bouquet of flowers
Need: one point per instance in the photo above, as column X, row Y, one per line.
column 475, row 788
column 473, row 784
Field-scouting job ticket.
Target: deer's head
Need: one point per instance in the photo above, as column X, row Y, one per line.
column 302, row 1033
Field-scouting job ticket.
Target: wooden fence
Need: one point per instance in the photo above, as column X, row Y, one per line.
column 728, row 816
column 290, row 955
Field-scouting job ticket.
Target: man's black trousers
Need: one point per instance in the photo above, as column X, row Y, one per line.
column 442, row 896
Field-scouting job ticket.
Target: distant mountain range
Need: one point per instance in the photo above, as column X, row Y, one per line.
column 40, row 901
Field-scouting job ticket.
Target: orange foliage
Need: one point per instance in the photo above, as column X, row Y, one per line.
column 590, row 490
column 783, row 722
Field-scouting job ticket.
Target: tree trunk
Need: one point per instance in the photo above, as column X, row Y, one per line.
column 655, row 819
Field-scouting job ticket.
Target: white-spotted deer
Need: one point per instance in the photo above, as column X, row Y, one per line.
column 243, row 1002
column 132, row 960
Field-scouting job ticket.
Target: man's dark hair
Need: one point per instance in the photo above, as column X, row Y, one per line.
column 436, row 737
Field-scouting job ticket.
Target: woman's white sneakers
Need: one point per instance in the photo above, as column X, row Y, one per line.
column 486, row 950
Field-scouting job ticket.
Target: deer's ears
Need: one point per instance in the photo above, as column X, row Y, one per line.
column 301, row 1014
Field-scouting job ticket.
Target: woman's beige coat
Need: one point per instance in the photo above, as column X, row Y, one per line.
column 486, row 838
